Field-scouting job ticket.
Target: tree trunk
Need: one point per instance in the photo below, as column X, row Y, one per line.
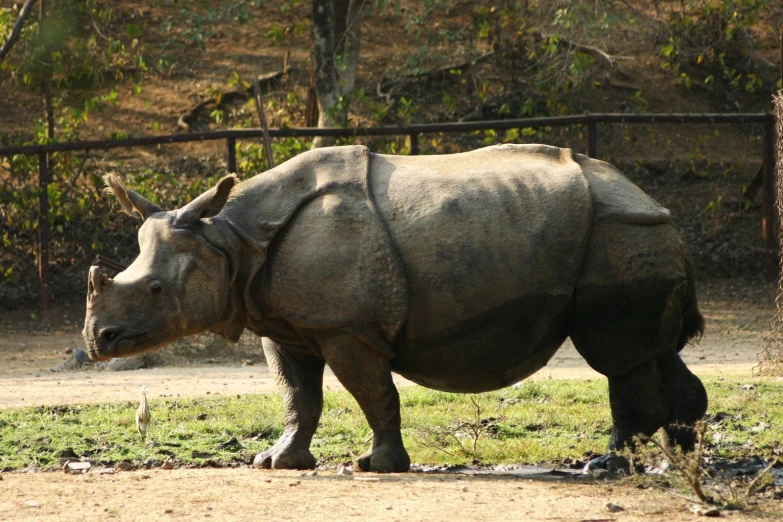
column 8, row 45
column 336, row 34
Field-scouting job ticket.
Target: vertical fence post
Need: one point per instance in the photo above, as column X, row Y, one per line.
column 768, row 200
column 232, row 155
column 262, row 117
column 43, row 231
column 414, row 141
column 592, row 138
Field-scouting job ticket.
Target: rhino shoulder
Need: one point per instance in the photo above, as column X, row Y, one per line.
column 616, row 198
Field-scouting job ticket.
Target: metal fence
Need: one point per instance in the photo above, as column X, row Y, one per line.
column 28, row 275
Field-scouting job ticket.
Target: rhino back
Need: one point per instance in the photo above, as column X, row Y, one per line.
column 491, row 242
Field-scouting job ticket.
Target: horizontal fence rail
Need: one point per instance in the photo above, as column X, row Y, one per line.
column 588, row 120
column 409, row 130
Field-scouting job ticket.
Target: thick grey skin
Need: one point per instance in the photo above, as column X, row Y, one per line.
column 463, row 273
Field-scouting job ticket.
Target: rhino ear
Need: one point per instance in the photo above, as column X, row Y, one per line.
column 132, row 203
column 209, row 204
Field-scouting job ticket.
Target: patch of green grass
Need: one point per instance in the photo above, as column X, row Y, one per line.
column 540, row 421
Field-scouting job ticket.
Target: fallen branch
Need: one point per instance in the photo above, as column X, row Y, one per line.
column 426, row 75
column 610, row 59
column 17, row 30
column 447, row 68
column 264, row 80
column 186, row 120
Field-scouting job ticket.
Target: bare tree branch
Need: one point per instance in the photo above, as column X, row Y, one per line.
column 17, row 30
column 610, row 59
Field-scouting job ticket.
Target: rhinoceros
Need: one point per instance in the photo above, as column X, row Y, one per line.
column 461, row 272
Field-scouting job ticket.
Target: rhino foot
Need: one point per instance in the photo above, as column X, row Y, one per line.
column 288, row 458
column 610, row 462
column 384, row 459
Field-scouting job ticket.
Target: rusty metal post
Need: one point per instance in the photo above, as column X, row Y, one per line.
column 768, row 200
column 43, row 231
column 414, row 141
column 264, row 126
column 232, row 155
column 592, row 138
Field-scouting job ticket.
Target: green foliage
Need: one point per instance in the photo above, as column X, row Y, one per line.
column 69, row 47
column 252, row 159
column 195, row 22
column 710, row 41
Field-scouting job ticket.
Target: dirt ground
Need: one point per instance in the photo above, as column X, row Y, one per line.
column 246, row 494
column 737, row 314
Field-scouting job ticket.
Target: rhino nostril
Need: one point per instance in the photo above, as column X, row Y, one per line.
column 108, row 335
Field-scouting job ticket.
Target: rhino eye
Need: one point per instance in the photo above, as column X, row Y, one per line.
column 156, row 288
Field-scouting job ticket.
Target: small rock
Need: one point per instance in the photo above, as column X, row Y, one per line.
column 313, row 473
column 76, row 467
column 77, row 359
column 125, row 364
column 230, row 444
column 761, row 426
column 599, row 474
column 345, row 471
column 748, row 386
column 464, row 489
column 613, row 508
column 367, row 479
column 105, row 471
column 168, row 464
column 168, row 511
column 33, row 504
column 124, row 465
column 292, row 484
column 704, row 511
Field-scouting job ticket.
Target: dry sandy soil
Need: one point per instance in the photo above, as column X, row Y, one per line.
column 246, row 494
column 737, row 312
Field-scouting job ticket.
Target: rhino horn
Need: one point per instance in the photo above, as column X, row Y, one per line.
column 97, row 282
column 209, row 204
column 132, row 203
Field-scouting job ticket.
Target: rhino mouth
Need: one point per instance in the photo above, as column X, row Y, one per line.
column 110, row 343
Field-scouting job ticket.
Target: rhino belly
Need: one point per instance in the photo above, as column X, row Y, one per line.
column 491, row 243
column 490, row 351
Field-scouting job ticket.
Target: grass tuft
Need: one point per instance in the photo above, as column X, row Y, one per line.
column 545, row 421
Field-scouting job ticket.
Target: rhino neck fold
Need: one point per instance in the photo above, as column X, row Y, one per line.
column 237, row 250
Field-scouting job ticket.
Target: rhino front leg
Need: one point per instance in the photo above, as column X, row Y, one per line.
column 366, row 374
column 299, row 378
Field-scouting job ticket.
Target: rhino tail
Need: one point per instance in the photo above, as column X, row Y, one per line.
column 692, row 320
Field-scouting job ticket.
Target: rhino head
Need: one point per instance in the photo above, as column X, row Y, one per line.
column 171, row 290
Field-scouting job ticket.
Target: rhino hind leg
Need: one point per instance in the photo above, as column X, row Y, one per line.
column 366, row 374
column 638, row 404
column 639, row 407
column 686, row 397
column 299, row 378
column 662, row 393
